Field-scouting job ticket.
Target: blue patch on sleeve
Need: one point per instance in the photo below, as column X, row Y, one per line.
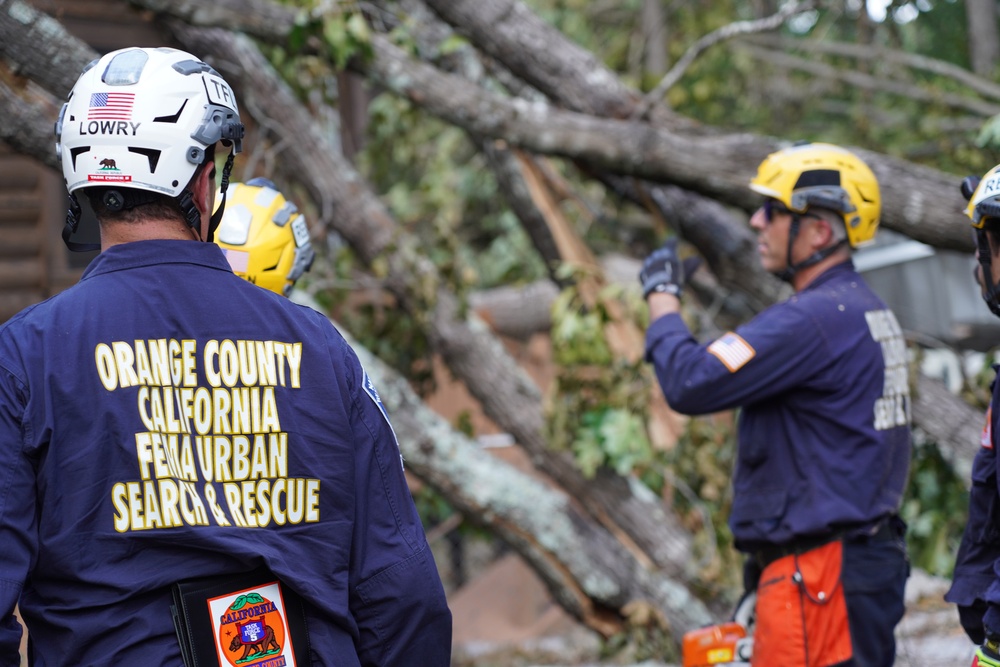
column 373, row 394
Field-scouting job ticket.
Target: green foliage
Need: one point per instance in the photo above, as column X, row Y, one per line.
column 396, row 338
column 346, row 36
column 431, row 506
column 614, row 437
column 939, row 31
column 989, row 135
column 936, row 507
column 438, row 186
column 339, row 26
column 977, row 389
column 598, row 404
column 598, row 409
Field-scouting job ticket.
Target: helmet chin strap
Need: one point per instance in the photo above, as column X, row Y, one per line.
column 991, row 293
column 73, row 215
column 213, row 223
column 191, row 213
column 792, row 268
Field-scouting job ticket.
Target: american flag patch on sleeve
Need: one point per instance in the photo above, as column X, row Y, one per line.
column 732, row 351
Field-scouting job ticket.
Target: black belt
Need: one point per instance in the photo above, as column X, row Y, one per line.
column 886, row 529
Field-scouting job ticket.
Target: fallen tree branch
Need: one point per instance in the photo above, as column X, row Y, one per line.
column 863, row 81
column 705, row 42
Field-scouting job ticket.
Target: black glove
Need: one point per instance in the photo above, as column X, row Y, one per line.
column 663, row 270
column 971, row 618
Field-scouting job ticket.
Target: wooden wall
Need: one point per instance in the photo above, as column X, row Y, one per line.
column 34, row 263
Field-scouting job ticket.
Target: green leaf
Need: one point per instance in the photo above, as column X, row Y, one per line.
column 452, row 44
column 336, row 39
column 989, row 135
column 357, row 28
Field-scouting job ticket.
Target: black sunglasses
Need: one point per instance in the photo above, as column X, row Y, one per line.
column 772, row 207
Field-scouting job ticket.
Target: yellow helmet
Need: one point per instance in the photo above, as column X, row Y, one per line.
column 264, row 236
column 824, row 176
column 984, row 203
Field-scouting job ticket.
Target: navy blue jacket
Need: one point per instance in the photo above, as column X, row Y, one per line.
column 824, row 437
column 164, row 419
column 977, row 566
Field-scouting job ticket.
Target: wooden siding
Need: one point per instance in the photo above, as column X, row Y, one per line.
column 34, row 263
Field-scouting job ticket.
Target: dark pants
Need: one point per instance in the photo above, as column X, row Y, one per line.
column 874, row 577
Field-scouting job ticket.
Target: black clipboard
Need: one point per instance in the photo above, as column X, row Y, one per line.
column 248, row 608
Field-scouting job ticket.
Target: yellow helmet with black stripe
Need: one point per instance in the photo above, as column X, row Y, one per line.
column 824, row 176
column 265, row 238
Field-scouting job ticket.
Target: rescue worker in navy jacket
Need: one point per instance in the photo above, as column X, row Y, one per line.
column 824, row 436
column 166, row 420
column 976, row 582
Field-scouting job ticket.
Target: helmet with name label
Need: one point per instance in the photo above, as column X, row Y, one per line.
column 825, row 176
column 142, row 118
column 264, row 237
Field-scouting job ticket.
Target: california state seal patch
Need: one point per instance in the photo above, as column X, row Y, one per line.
column 251, row 628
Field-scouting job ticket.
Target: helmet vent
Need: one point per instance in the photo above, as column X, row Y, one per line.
column 125, row 69
column 861, row 194
column 171, row 119
column 74, row 152
column 809, row 179
column 151, row 154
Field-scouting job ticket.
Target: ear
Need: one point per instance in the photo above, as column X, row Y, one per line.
column 820, row 232
column 203, row 190
column 204, row 187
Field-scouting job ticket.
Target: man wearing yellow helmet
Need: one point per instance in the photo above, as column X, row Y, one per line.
column 824, row 437
column 264, row 237
column 975, row 584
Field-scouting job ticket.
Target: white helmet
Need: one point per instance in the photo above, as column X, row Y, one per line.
column 141, row 119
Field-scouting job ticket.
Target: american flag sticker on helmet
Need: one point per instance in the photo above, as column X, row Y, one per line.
column 732, row 351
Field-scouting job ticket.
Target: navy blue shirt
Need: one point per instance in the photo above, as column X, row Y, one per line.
column 163, row 420
column 977, row 566
column 824, row 437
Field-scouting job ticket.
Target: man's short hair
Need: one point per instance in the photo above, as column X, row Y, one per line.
column 834, row 219
column 154, row 206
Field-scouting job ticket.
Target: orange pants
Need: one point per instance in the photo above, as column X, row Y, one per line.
column 801, row 617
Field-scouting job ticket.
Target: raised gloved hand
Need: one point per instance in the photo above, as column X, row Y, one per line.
column 663, row 270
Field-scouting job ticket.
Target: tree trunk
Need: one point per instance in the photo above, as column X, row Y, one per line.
column 654, row 36
column 954, row 425
column 984, row 37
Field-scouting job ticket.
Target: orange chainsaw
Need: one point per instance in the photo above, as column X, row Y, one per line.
column 727, row 644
